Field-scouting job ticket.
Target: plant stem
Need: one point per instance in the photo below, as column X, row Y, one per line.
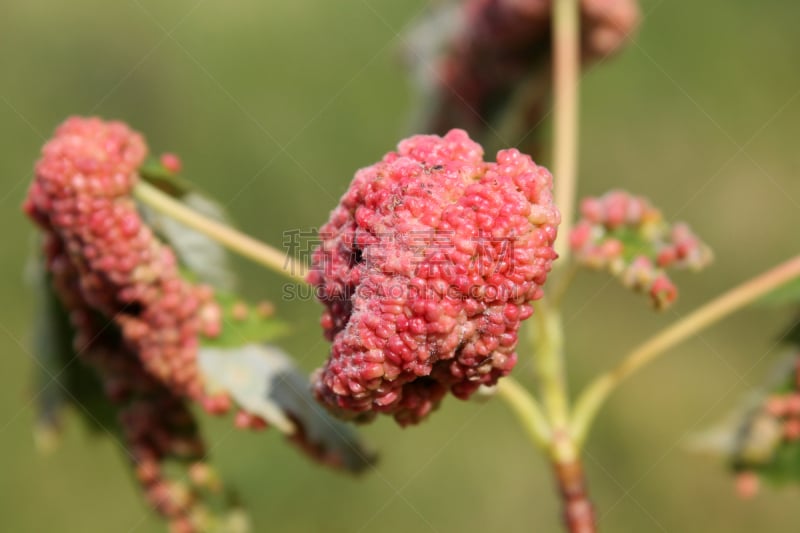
column 579, row 514
column 598, row 391
column 549, row 360
column 566, row 71
column 528, row 411
column 578, row 511
column 234, row 240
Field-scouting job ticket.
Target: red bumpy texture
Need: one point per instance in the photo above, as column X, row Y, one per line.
column 81, row 198
column 607, row 222
column 107, row 266
column 156, row 422
column 502, row 43
column 775, row 427
column 426, row 268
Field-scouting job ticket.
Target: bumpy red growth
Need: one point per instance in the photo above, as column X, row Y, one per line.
column 502, row 43
column 773, row 432
column 156, row 423
column 107, row 266
column 81, row 198
column 627, row 236
column 426, row 269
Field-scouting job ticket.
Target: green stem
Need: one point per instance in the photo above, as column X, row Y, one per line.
column 528, row 411
column 234, row 240
column 549, row 332
column 598, row 391
column 566, row 72
column 578, row 511
column 549, row 360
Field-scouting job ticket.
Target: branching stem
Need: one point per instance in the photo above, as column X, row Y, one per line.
column 578, row 511
column 598, row 391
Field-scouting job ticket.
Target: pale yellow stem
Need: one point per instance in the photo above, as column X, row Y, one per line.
column 232, row 239
column 527, row 409
column 566, row 72
column 596, row 393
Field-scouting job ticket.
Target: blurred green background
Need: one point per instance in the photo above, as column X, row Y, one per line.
column 273, row 105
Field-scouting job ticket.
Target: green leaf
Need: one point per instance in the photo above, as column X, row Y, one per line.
column 60, row 380
column 203, row 256
column 243, row 323
column 264, row 381
column 784, row 467
column 789, row 293
column 752, row 438
column 745, row 436
column 634, row 243
column 52, row 348
column 206, row 261
column 153, row 172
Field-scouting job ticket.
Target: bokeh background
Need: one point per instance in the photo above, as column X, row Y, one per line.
column 273, row 105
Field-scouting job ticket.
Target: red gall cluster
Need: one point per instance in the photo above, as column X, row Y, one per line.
column 502, row 44
column 156, row 423
column 426, row 268
column 747, row 484
column 781, row 413
column 786, row 408
column 245, row 420
column 628, row 237
column 171, row 162
column 119, row 270
column 81, row 198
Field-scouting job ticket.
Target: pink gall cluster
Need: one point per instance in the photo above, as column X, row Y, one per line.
column 503, row 44
column 778, row 425
column 81, row 198
column 171, row 162
column 107, row 265
column 628, row 237
column 427, row 267
column 786, row 408
column 747, row 484
column 156, row 423
column 245, row 420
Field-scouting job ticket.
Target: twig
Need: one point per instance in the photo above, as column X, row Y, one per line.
column 527, row 409
column 596, row 393
column 234, row 240
column 566, row 71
